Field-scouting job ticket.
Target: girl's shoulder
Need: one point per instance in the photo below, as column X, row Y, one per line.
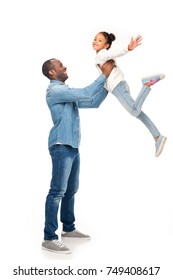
column 102, row 53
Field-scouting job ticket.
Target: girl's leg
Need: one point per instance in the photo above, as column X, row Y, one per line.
column 122, row 92
column 149, row 124
column 160, row 139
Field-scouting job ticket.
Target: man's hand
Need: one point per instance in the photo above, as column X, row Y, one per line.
column 107, row 67
column 134, row 43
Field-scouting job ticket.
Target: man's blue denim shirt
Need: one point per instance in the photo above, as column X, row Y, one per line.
column 64, row 102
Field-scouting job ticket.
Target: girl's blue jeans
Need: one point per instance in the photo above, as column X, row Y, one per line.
column 122, row 93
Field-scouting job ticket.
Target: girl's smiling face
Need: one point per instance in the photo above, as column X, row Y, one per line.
column 99, row 42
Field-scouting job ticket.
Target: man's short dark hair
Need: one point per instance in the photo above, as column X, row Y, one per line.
column 47, row 66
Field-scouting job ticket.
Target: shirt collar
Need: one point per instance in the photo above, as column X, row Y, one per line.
column 56, row 82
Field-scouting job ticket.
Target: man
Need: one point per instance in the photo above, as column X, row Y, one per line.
column 63, row 144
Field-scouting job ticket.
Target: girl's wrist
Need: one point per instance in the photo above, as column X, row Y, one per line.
column 129, row 49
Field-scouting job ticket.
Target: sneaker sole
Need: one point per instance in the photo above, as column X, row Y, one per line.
column 162, row 76
column 161, row 147
column 56, row 252
column 76, row 238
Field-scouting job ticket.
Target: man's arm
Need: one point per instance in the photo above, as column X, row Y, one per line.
column 100, row 96
column 96, row 100
column 60, row 93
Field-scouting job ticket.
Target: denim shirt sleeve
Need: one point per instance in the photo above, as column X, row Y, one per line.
column 96, row 100
column 58, row 92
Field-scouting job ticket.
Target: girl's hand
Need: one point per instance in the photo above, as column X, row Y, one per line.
column 134, row 43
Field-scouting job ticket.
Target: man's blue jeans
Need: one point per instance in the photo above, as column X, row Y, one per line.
column 64, row 185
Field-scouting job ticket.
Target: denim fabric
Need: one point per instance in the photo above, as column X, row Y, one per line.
column 122, row 93
column 64, row 102
column 64, row 185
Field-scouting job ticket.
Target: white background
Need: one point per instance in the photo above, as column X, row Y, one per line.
column 125, row 196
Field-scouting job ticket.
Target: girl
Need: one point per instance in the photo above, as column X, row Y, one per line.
column 119, row 87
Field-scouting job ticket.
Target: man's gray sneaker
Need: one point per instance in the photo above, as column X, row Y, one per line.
column 55, row 246
column 74, row 234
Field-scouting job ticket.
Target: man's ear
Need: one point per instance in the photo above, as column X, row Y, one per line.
column 52, row 72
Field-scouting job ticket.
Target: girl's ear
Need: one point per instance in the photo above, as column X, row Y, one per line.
column 106, row 46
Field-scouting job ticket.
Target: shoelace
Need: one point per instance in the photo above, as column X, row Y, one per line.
column 58, row 243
